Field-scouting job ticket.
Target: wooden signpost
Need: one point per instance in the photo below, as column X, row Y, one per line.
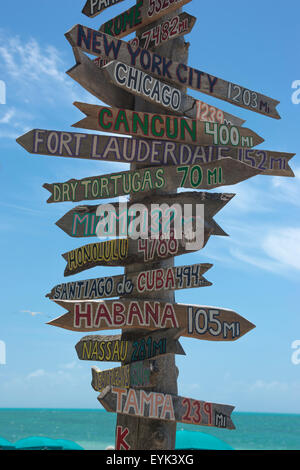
column 177, row 73
column 162, row 406
column 149, row 281
column 200, row 322
column 122, row 348
column 166, row 407
column 92, row 8
column 164, row 127
column 90, row 74
column 207, row 176
column 140, row 15
column 176, row 141
column 153, row 152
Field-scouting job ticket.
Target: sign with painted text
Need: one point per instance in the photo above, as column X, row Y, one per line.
column 164, row 127
column 178, row 25
column 91, row 75
column 140, row 374
column 140, row 15
column 101, row 44
column 207, row 176
column 154, row 152
column 92, row 8
column 161, row 406
column 155, row 280
column 82, row 221
column 122, row 348
column 199, row 322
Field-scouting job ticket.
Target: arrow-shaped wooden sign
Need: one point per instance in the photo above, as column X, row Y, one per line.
column 129, row 285
column 92, row 8
column 154, row 405
column 101, row 44
column 123, row 348
column 92, row 76
column 82, row 221
column 164, row 127
column 140, row 15
column 200, row 322
column 178, row 25
column 208, row 176
column 142, row 374
column 153, row 152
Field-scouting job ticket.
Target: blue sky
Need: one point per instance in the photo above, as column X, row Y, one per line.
column 256, row 269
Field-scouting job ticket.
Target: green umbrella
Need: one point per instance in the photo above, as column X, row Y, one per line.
column 199, row 440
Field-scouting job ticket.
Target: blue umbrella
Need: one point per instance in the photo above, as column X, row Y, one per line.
column 37, row 443
column 6, row 445
column 199, row 440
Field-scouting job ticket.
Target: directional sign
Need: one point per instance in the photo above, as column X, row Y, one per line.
column 172, row 28
column 153, row 152
column 82, row 221
column 161, row 126
column 92, row 78
column 91, row 75
column 200, row 322
column 101, row 44
column 125, row 251
column 142, row 374
column 156, row 280
column 122, row 348
column 92, row 8
column 168, row 407
column 140, row 15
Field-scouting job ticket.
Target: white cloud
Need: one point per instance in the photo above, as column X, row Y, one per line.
column 36, row 374
column 33, row 314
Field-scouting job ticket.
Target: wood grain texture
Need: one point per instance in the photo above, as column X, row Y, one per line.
column 166, row 407
column 154, row 152
column 92, row 8
column 199, row 322
column 131, row 285
column 139, row 16
column 176, row 73
column 143, row 181
column 128, row 350
column 164, row 127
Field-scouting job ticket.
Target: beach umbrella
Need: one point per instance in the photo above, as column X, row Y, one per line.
column 199, row 440
column 5, row 444
column 37, row 443
column 68, row 445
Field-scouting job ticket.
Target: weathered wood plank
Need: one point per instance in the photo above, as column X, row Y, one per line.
column 139, row 16
column 164, row 127
column 161, row 406
column 169, row 29
column 208, row 176
column 82, row 221
column 154, row 152
column 141, row 374
column 130, row 285
column 199, row 322
column 98, row 78
column 92, row 8
column 123, row 348
column 101, row 44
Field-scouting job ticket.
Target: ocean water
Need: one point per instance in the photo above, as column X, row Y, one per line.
column 94, row 429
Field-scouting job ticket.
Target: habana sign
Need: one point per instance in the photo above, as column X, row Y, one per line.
column 121, row 348
column 91, row 74
column 140, row 15
column 101, row 44
column 208, row 176
column 154, row 152
column 168, row 407
column 92, row 8
column 154, row 280
column 200, row 322
column 164, row 127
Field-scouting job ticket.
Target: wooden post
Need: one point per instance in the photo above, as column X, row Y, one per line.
column 139, row 433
